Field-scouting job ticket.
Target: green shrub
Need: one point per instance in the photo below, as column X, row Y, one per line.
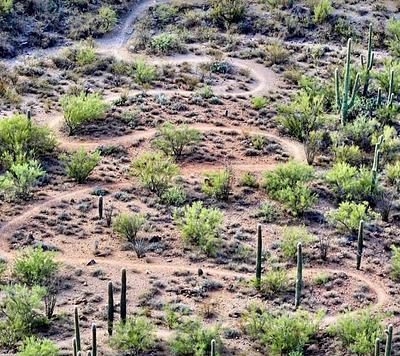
column 322, row 10
column 358, row 331
column 173, row 140
column 350, row 183
column 6, row 6
column 268, row 212
column 285, row 333
column 206, row 92
column 155, row 171
column 218, row 184
column 359, row 132
column 174, row 195
column 19, row 180
column 297, row 199
column 274, row 281
column 395, row 262
column 79, row 164
column 85, row 53
column 227, row 11
column 127, row 225
column 34, row 266
column 249, row 179
column 348, row 215
column 81, row 108
column 144, row 73
column 20, row 304
column 393, row 172
column 38, row 347
column 393, row 29
column 107, row 19
column 350, row 154
column 19, row 135
column 291, row 236
column 165, row 43
column 199, row 225
column 259, row 102
column 276, row 53
column 134, row 336
column 192, row 338
column 390, row 145
column 383, row 76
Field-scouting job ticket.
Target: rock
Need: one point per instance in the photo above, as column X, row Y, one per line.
column 91, row 263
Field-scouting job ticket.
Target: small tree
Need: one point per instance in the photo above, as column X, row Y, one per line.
column 172, row 140
column 128, row 225
column 155, row 171
column 218, row 184
column 199, row 225
column 19, row 180
column 80, row 164
column 135, row 335
column 81, row 108
column 227, row 11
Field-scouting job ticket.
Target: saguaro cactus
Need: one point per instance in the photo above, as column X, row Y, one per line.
column 94, row 340
column 75, row 351
column 259, row 255
column 123, row 295
column 213, row 350
column 389, row 335
column 299, row 275
column 345, row 101
column 101, row 205
column 368, row 62
column 377, row 346
column 360, row 243
column 77, row 330
column 375, row 165
column 110, row 310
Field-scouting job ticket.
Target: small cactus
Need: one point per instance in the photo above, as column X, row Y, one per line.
column 94, row 340
column 101, row 205
column 299, row 275
column 213, row 349
column 360, row 243
column 123, row 296
column 377, row 346
column 259, row 256
column 75, row 351
column 389, row 335
column 77, row 330
column 110, row 312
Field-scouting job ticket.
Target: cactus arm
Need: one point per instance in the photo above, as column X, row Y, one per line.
column 77, row 330
column 355, row 90
column 360, row 243
column 389, row 333
column 94, row 340
column 337, row 91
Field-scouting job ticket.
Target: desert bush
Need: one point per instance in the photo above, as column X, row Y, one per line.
column 85, row 53
column 81, row 108
column 6, row 6
column 395, row 262
column 127, row 225
column 297, row 199
column 155, row 171
column 268, row 212
column 322, row 10
column 383, row 76
column 173, row 140
column 227, row 11
column 192, row 338
column 199, row 225
column 80, row 164
column 165, row 43
column 350, row 183
column 359, row 132
column 174, row 196
column 312, row 145
column 38, row 347
column 221, row 66
column 259, row 102
column 390, row 145
column 348, row 215
column 20, row 306
column 20, row 178
column 358, row 331
column 144, row 73
column 291, row 236
column 134, row 336
column 393, row 172
column 274, row 280
column 248, row 179
column 218, row 184
column 393, row 29
column 281, row 333
column 34, row 266
column 350, row 154
column 280, row 3
column 18, row 135
column 206, row 92
column 107, row 19
column 276, row 53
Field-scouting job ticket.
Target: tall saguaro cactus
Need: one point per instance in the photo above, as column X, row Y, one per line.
column 299, row 275
column 389, row 336
column 110, row 309
column 377, row 346
column 259, row 256
column 123, row 295
column 360, row 243
column 345, row 100
column 101, row 205
column 368, row 62
column 213, row 349
column 94, row 340
column 77, row 330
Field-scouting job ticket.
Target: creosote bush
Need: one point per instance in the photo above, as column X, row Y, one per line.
column 81, row 108
column 134, row 336
column 80, row 164
column 143, row 73
column 155, row 171
column 127, row 225
column 395, row 262
column 291, row 236
column 38, row 347
column 218, row 184
column 199, row 226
